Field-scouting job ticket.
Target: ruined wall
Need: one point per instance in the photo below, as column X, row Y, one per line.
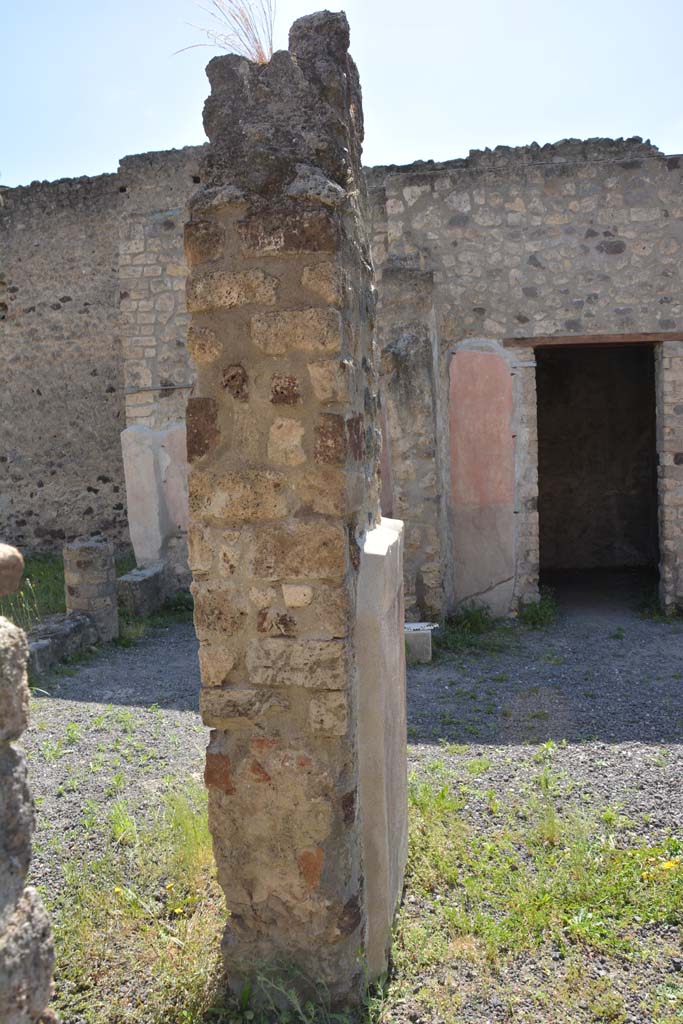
column 61, row 407
column 26, row 947
column 157, row 372
column 286, row 546
column 152, row 272
column 92, row 313
column 573, row 239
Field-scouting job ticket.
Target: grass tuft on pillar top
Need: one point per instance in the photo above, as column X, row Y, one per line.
column 245, row 28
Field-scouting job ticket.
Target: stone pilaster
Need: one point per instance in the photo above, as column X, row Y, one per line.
column 669, row 390
column 410, row 394
column 90, row 583
column 283, row 446
column 525, row 432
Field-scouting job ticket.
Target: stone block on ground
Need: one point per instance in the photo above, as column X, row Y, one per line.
column 141, row 592
column 418, row 640
column 58, row 638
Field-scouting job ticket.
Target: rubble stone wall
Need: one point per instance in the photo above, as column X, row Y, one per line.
column 284, row 448
column 92, row 279
column 26, row 947
column 565, row 240
column 62, row 408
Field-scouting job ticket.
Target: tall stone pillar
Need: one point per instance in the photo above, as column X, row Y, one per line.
column 284, row 448
column 669, row 391
column 26, row 946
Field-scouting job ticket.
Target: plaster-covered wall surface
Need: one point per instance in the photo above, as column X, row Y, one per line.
column 86, row 262
column 573, row 239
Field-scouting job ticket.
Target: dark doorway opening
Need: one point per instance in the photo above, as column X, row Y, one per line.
column 597, row 465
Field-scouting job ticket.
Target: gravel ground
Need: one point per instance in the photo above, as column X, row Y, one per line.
column 602, row 682
column 119, row 727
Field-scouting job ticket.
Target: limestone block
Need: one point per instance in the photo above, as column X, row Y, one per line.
column 312, row 330
column 220, row 289
column 329, row 714
column 288, row 230
column 297, row 596
column 204, row 242
column 141, row 592
column 14, row 693
column 228, row 707
column 317, row 665
column 236, row 497
column 203, row 344
column 329, row 380
column 324, row 280
column 58, row 637
column 298, row 551
column 418, row 640
column 285, row 442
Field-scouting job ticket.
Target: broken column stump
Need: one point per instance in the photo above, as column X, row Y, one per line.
column 90, row 583
column 283, row 441
column 26, row 947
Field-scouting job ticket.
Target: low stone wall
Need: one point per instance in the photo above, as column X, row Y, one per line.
column 26, row 948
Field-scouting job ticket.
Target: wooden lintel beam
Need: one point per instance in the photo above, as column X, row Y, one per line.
column 553, row 340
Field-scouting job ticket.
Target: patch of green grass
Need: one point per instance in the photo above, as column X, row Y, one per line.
column 477, row 766
column 137, row 928
column 124, row 830
column 541, row 613
column 178, row 608
column 125, row 563
column 473, row 629
column 547, row 876
column 40, row 594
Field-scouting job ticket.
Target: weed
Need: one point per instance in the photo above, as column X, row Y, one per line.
column 545, row 753
column 123, row 827
column 146, row 906
column 244, row 27
column 41, row 592
column 477, row 766
column 116, row 784
column 454, row 748
column 472, row 629
column 541, row 613
column 618, row 634
column 73, row 733
column 52, row 750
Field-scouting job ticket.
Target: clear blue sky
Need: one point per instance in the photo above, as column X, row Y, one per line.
column 85, row 83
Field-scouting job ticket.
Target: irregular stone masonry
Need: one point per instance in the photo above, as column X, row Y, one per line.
column 284, row 449
column 92, row 281
column 26, row 948
column 90, row 583
column 568, row 240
